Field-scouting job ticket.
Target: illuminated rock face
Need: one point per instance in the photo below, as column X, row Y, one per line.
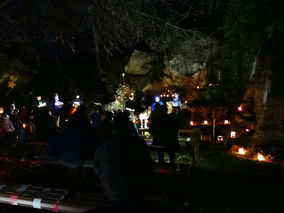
column 139, row 63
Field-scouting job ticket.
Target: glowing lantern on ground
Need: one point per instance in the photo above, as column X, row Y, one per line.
column 220, row 138
column 1, row 110
column 191, row 123
column 260, row 157
column 226, row 122
column 242, row 151
column 233, row 134
column 205, row 122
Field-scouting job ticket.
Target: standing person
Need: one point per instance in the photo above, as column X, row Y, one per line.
column 23, row 114
column 77, row 102
column 9, row 130
column 56, row 107
column 164, row 129
column 19, row 128
column 157, row 100
column 96, row 118
column 124, row 166
column 78, row 142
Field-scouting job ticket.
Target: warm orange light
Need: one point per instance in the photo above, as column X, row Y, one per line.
column 220, row 138
column 247, row 130
column 161, row 95
column 260, row 157
column 1, row 110
column 24, row 125
column 226, row 122
column 191, row 123
column 167, row 95
column 233, row 134
column 197, row 87
column 205, row 122
column 185, row 102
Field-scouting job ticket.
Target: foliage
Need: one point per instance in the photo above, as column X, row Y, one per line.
column 123, row 93
column 155, row 24
column 244, row 32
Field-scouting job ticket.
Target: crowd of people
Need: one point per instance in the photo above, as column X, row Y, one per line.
column 109, row 139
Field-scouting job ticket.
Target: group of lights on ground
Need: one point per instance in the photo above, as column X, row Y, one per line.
column 258, row 156
column 205, row 122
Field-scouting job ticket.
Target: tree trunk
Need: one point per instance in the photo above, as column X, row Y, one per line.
column 97, row 50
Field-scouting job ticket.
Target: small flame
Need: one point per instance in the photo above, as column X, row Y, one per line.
column 24, row 125
column 191, row 123
column 205, row 122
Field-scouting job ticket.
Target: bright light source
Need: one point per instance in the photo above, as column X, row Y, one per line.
column 210, row 85
column 197, row 87
column 205, row 122
column 161, row 95
column 240, row 109
column 220, row 138
column 247, row 130
column 260, row 157
column 242, row 151
column 185, row 102
column 233, row 134
column 1, row 110
column 226, row 122
column 123, row 74
column 24, row 125
column 191, row 123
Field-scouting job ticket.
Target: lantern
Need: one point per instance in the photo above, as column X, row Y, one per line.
column 191, row 123
column 220, row 138
column 205, row 122
column 233, row 134
column 1, row 110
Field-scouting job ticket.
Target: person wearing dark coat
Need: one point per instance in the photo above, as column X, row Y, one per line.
column 124, row 165
column 78, row 142
column 164, row 129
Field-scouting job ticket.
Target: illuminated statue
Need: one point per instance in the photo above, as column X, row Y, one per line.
column 157, row 100
column 77, row 102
